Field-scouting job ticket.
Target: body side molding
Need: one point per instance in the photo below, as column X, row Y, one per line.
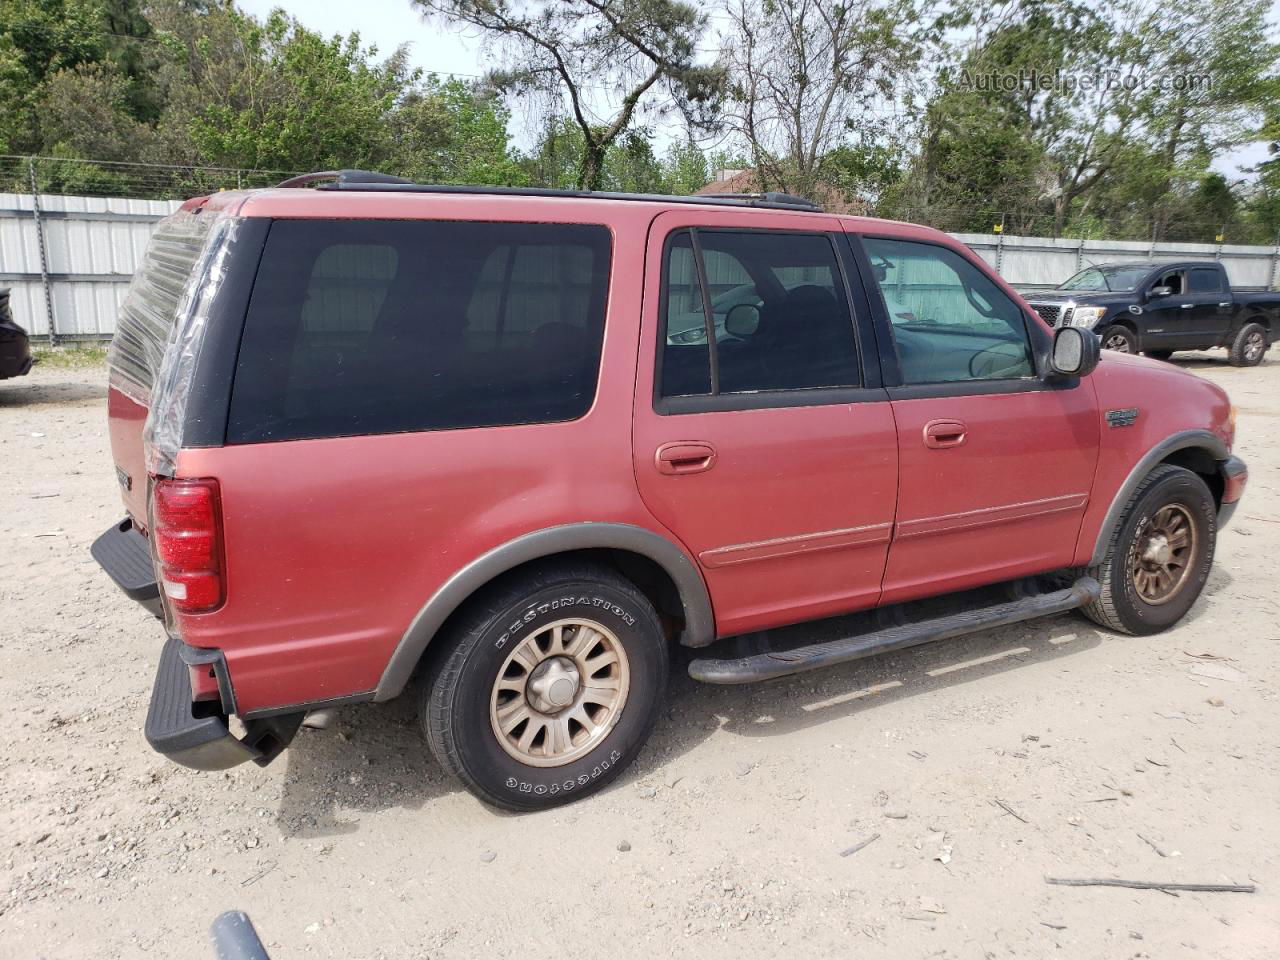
column 1182, row 440
column 699, row 627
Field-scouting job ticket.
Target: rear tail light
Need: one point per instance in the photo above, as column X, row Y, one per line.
column 187, row 530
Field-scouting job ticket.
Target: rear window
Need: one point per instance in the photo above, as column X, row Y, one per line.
column 364, row 327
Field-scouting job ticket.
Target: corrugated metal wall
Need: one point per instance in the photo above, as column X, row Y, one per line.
column 1037, row 263
column 93, row 244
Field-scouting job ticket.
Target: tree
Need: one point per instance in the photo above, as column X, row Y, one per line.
column 275, row 95
column 38, row 38
column 633, row 49
column 453, row 132
column 808, row 76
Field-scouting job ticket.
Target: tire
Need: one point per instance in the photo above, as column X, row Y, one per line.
column 1249, row 346
column 1119, row 338
column 490, row 677
column 1162, row 355
column 1167, row 491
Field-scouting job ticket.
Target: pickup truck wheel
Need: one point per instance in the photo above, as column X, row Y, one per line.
column 1159, row 556
column 550, row 689
column 1249, row 346
column 1120, row 339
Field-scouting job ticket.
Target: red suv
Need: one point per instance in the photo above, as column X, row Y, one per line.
column 507, row 447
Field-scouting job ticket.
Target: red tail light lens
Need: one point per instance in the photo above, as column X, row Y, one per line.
column 187, row 530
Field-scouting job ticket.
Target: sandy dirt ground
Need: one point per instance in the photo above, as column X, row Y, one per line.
column 979, row 767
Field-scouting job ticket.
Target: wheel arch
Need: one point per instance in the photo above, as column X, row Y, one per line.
column 659, row 567
column 1120, row 320
column 1199, row 451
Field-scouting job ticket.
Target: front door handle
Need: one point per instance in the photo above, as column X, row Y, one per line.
column 685, row 456
column 1187, row 306
column 1225, row 303
column 941, row 434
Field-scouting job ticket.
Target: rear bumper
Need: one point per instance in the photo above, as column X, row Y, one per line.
column 197, row 734
column 1235, row 476
column 125, row 555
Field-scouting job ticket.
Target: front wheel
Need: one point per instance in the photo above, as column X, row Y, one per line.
column 1159, row 556
column 551, row 688
column 1249, row 346
column 1120, row 339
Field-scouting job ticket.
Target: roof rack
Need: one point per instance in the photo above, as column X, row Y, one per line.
column 341, row 177
column 381, row 182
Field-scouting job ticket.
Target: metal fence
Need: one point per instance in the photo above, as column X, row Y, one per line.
column 68, row 259
column 1038, row 263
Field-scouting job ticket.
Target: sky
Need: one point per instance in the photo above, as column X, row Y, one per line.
column 389, row 23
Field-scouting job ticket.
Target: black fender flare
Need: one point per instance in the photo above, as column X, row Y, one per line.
column 1184, row 439
column 699, row 627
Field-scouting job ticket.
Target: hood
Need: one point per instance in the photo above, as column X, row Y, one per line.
column 1081, row 296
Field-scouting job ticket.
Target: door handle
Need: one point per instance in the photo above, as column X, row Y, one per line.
column 1225, row 303
column 941, row 434
column 685, row 456
column 1187, row 306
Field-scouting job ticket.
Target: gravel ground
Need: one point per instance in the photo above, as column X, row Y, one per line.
column 979, row 767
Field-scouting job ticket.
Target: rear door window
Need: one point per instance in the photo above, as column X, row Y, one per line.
column 1205, row 280
column 365, row 327
column 779, row 315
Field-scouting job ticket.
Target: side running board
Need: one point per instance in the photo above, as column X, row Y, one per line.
column 766, row 666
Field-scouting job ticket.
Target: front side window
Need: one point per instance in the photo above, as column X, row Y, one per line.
column 950, row 321
column 779, row 317
column 365, row 327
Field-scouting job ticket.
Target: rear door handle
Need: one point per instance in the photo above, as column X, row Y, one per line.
column 1225, row 303
column 1187, row 306
column 941, row 434
column 685, row 456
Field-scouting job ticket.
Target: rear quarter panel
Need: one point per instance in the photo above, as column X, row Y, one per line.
column 1168, row 401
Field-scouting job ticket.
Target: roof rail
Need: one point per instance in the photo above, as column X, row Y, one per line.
column 376, row 182
column 342, row 177
column 783, row 199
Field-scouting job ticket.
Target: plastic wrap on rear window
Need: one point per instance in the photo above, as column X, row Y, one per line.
column 162, row 434
column 157, row 292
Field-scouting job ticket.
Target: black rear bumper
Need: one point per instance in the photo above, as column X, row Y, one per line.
column 126, row 557
column 196, row 734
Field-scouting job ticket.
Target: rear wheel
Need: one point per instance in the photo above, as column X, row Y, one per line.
column 1249, row 346
column 1159, row 556
column 551, row 688
column 1120, row 339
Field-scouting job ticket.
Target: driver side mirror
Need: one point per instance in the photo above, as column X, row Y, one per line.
column 1076, row 352
column 1161, row 291
column 742, row 320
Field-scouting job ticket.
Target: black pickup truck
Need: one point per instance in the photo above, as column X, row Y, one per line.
column 1157, row 308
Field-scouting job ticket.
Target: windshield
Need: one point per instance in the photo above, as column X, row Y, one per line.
column 1107, row 278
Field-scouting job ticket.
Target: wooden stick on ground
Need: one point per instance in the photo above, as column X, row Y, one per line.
column 1153, row 885
column 858, row 846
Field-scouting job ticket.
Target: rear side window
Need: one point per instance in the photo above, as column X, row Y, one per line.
column 1205, row 280
column 149, row 309
column 364, row 327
